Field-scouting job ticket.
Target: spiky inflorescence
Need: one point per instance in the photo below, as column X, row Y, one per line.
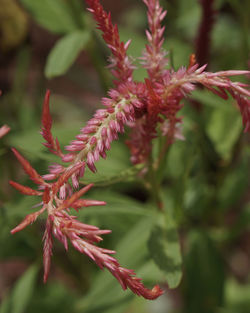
column 121, row 65
column 154, row 57
column 141, row 106
column 65, row 227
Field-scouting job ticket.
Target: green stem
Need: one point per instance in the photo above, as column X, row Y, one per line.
column 97, row 60
column 77, row 11
column 154, row 185
column 160, row 163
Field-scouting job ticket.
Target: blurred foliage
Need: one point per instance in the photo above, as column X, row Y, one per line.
column 13, row 25
column 205, row 182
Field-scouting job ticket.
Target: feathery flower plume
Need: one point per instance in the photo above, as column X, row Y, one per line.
column 154, row 57
column 122, row 68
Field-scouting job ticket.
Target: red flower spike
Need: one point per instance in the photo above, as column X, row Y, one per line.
column 29, row 169
column 46, row 117
column 25, row 190
column 123, row 69
column 47, row 249
column 51, row 143
column 29, row 219
column 154, row 57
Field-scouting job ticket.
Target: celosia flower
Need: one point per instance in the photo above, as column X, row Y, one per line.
column 65, row 227
column 145, row 108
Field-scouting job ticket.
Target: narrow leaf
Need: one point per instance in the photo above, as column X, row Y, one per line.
column 23, row 290
column 125, row 175
column 65, row 52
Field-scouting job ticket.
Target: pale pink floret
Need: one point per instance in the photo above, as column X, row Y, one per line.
column 4, row 130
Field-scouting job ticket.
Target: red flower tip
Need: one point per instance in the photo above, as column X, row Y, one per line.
column 192, row 60
column 28, row 168
column 24, row 189
column 47, row 249
column 86, row 203
column 51, row 143
column 29, row 219
column 46, row 117
column 154, row 293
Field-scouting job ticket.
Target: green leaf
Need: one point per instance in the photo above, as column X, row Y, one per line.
column 164, row 249
column 23, row 290
column 65, row 52
column 54, row 15
column 237, row 298
column 204, row 275
column 5, row 305
column 104, row 180
column 224, row 128
column 116, row 204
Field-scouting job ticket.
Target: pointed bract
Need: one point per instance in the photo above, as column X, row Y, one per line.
column 29, row 169
column 25, row 190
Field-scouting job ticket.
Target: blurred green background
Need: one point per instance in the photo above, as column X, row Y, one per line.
column 53, row 44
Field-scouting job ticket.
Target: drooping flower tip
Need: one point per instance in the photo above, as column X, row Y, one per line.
column 154, row 293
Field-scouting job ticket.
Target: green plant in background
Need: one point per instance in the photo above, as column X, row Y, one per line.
column 183, row 180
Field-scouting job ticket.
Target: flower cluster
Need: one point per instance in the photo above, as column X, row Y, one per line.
column 146, row 108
